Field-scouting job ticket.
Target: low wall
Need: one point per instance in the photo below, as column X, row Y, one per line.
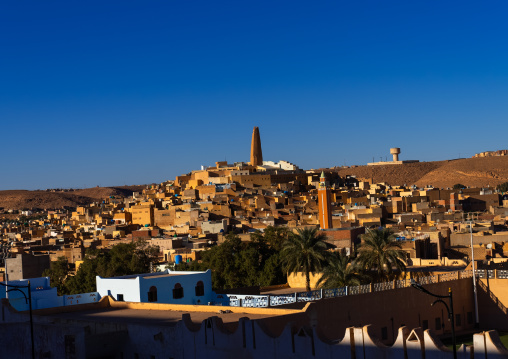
column 390, row 309
column 297, row 280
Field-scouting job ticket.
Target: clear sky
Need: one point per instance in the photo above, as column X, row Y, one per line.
column 133, row 92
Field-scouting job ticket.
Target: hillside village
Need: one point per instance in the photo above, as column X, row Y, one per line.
column 185, row 216
column 439, row 234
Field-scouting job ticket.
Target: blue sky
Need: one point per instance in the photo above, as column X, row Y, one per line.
column 113, row 93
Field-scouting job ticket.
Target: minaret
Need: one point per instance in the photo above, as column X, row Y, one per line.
column 256, row 155
column 324, row 204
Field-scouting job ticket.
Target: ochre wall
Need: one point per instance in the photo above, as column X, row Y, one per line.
column 297, row 280
column 393, row 309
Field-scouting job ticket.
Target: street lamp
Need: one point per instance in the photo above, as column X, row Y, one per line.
column 449, row 309
column 27, row 299
column 477, row 320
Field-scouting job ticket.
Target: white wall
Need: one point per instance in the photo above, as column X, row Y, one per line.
column 135, row 288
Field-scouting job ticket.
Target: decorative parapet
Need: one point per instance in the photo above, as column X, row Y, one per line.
column 260, row 301
column 251, row 340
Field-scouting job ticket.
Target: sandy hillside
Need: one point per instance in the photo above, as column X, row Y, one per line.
column 21, row 199
column 474, row 172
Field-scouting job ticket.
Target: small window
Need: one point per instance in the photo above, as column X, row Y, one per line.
column 469, row 317
column 458, row 320
column 119, row 297
column 425, row 324
column 200, row 289
column 70, row 345
column 178, row 291
column 438, row 323
column 152, row 294
column 384, row 333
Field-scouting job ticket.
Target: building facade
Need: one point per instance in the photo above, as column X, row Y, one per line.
column 171, row 287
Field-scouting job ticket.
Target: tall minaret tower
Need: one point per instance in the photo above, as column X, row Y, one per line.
column 256, row 155
column 324, row 204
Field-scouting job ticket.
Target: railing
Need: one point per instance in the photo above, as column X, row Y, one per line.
column 428, row 280
column 336, row 292
column 445, row 277
column 493, row 297
column 502, row 274
column 359, row 289
column 378, row 287
column 247, row 300
column 282, row 299
column 308, row 296
column 263, row 301
column 482, row 273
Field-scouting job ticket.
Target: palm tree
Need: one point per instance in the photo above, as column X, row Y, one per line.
column 341, row 271
column 304, row 252
column 379, row 251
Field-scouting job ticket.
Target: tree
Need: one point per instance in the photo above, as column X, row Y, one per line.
column 58, row 272
column 458, row 186
column 341, row 271
column 236, row 264
column 381, row 253
column 305, row 252
column 503, row 187
column 121, row 259
column 275, row 237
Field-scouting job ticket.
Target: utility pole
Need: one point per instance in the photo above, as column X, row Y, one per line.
column 477, row 320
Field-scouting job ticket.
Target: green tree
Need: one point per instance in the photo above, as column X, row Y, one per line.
column 380, row 253
column 275, row 237
column 340, row 271
column 237, row 264
column 503, row 187
column 458, row 186
column 121, row 259
column 305, row 252
column 84, row 281
column 58, row 272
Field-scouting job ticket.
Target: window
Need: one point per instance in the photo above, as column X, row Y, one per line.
column 178, row 291
column 438, row 323
column 200, row 289
column 70, row 346
column 425, row 324
column 119, row 297
column 458, row 320
column 152, row 294
column 469, row 317
column 384, row 333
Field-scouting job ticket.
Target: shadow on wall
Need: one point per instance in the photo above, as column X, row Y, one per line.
column 491, row 311
column 214, row 338
column 250, row 340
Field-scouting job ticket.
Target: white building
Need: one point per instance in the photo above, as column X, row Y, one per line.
column 43, row 295
column 175, row 287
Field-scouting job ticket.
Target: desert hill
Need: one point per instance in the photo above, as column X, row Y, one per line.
column 21, row 199
column 473, row 172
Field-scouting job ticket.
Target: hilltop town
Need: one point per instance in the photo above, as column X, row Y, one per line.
column 172, row 229
column 193, row 212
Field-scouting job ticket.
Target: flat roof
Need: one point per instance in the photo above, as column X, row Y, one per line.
column 151, row 316
column 168, row 275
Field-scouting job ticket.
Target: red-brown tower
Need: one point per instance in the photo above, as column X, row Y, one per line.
column 256, row 155
column 324, row 203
